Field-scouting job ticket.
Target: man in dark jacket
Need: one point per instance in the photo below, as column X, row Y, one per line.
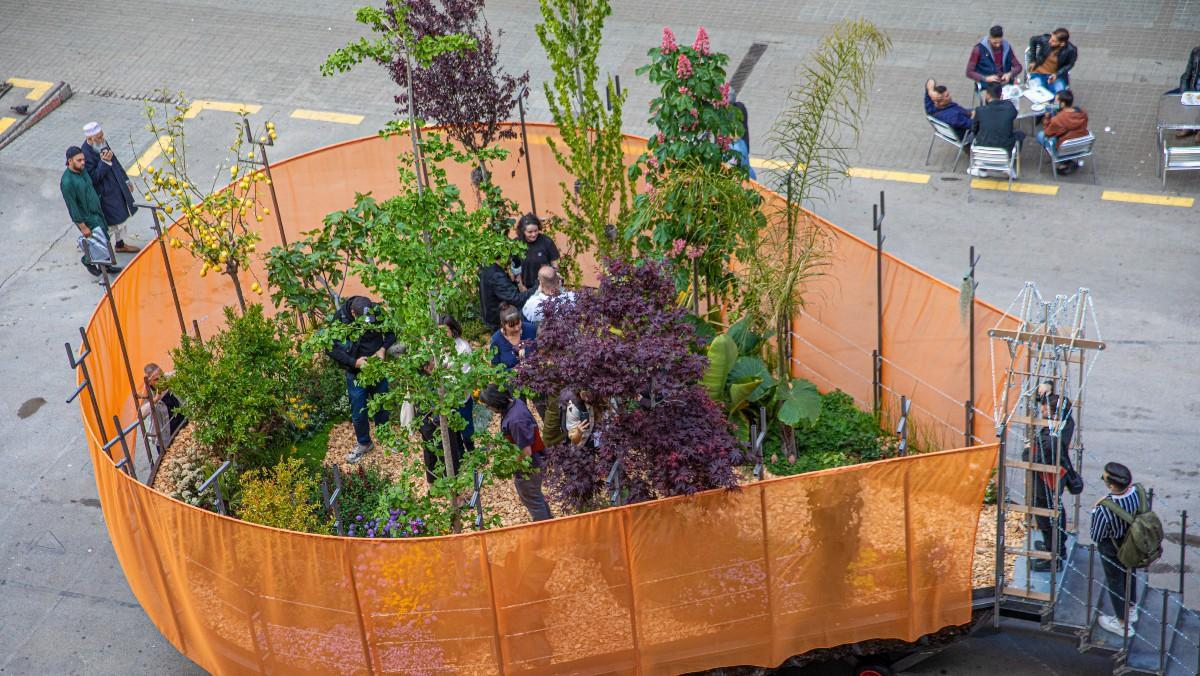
column 993, row 124
column 496, row 287
column 939, row 106
column 1190, row 80
column 992, row 60
column 352, row 355
column 1052, row 56
column 111, row 183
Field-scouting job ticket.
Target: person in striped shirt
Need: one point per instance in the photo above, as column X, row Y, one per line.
column 1107, row 531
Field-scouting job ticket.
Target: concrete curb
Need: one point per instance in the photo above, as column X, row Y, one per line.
column 53, row 99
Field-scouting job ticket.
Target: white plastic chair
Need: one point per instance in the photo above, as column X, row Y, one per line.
column 944, row 132
column 1075, row 149
column 996, row 160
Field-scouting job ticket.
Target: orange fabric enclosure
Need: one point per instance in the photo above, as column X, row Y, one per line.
column 722, row 578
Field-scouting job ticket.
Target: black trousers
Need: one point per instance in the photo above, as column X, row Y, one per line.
column 1114, row 577
column 1043, row 497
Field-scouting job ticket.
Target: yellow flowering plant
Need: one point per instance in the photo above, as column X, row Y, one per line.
column 214, row 225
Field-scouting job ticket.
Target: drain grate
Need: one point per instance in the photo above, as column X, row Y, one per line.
column 152, row 97
column 747, row 65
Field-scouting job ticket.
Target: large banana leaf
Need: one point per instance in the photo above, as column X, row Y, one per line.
column 740, row 392
column 722, row 353
column 748, row 342
column 798, row 400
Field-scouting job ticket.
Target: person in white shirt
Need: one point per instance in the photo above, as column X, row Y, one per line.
column 549, row 286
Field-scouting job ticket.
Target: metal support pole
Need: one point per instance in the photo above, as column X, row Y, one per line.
column 876, row 390
column 196, row 329
column 525, row 146
column 1091, row 582
column 969, row 432
column 162, row 247
column 1182, row 551
column 1162, row 636
column 81, row 363
column 1000, row 489
column 877, row 214
column 266, row 165
column 133, row 391
column 902, row 427
column 1151, row 499
column 1125, row 614
column 127, row 463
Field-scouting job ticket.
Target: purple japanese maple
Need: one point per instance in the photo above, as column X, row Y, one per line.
column 467, row 90
column 630, row 343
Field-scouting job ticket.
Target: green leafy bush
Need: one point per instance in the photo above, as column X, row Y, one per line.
column 250, row 394
column 285, row 496
column 841, row 435
column 361, row 491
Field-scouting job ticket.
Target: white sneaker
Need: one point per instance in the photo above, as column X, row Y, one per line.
column 972, row 171
column 359, row 451
column 1111, row 624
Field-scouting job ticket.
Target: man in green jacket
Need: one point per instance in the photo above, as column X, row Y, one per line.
column 83, row 204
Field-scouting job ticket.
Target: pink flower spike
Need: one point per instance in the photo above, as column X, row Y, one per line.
column 662, row 138
column 683, row 67
column 694, row 252
column 701, row 44
column 724, row 141
column 683, row 90
column 725, row 87
column 668, row 41
column 677, row 247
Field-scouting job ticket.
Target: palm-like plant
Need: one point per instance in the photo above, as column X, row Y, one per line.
column 812, row 139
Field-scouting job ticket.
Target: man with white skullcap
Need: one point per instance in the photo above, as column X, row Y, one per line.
column 111, row 183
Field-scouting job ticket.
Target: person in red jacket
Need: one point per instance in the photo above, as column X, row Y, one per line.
column 1067, row 122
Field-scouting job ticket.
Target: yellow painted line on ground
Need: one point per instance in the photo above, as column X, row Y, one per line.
column 6, row 122
column 37, row 88
column 223, row 106
column 147, row 158
column 1017, row 186
column 764, row 163
column 326, row 116
column 885, row 175
column 1143, row 198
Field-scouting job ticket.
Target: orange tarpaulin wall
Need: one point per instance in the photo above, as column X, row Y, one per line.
column 751, row 576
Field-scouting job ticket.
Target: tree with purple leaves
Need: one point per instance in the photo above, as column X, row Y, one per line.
column 631, row 344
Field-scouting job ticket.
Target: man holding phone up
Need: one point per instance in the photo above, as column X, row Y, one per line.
column 111, row 182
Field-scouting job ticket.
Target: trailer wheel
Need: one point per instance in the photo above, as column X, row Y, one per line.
column 873, row 670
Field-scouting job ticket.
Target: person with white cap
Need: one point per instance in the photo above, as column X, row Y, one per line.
column 111, row 182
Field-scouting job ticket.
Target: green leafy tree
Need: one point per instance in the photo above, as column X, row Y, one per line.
column 812, row 138
column 570, row 33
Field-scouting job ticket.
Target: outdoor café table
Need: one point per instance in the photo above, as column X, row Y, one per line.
column 1173, row 116
column 1018, row 97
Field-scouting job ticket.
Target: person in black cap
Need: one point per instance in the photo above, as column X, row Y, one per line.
column 1107, row 532
column 84, row 205
column 352, row 355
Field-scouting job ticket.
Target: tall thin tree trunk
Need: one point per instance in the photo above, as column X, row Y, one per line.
column 232, row 271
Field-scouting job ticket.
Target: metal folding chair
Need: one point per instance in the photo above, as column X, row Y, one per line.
column 944, row 132
column 996, row 160
column 1075, row 149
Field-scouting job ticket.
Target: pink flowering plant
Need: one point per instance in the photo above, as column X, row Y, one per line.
column 693, row 111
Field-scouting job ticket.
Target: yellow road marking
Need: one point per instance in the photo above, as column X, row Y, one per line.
column 147, row 158
column 224, row 106
column 6, row 122
column 764, row 163
column 884, row 175
column 1017, row 186
column 37, row 88
column 326, row 116
column 1142, row 198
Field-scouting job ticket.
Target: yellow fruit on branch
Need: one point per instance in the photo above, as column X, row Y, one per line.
column 256, row 288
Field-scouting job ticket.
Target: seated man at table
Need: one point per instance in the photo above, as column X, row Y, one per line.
column 1190, row 80
column 993, row 124
column 1067, row 122
column 939, row 106
column 992, row 60
column 1052, row 56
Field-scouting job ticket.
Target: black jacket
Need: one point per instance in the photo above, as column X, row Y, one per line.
column 112, row 185
column 347, row 352
column 1190, row 80
column 1039, row 47
column 993, row 125
column 495, row 287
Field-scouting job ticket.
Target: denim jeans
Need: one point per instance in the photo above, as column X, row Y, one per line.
column 1048, row 142
column 529, row 489
column 358, row 407
column 1055, row 87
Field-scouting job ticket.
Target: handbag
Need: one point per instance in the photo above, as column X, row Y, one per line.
column 95, row 248
column 1073, row 480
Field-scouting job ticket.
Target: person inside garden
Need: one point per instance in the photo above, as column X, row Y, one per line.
column 111, row 183
column 540, row 250
column 461, row 441
column 549, row 286
column 518, row 426
column 515, row 340
column 581, row 417
column 168, row 410
column 352, row 354
column 497, row 288
column 86, row 213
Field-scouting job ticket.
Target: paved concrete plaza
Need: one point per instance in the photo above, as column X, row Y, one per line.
column 66, row 607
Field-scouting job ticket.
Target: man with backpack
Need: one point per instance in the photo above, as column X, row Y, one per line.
column 1128, row 536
